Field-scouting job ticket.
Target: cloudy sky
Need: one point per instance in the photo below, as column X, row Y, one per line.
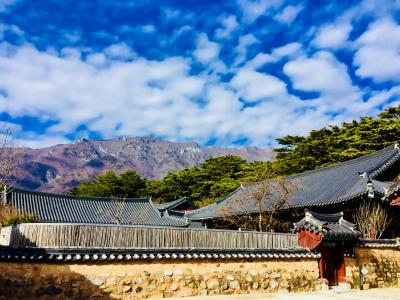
column 216, row 72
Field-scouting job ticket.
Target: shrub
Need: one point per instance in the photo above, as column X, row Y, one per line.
column 9, row 215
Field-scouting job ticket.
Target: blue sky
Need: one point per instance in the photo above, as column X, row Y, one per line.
column 227, row 73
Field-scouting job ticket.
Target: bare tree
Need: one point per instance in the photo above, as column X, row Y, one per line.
column 259, row 200
column 371, row 219
column 10, row 157
column 118, row 216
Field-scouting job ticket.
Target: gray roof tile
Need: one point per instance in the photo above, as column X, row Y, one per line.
column 54, row 208
column 334, row 184
column 331, row 226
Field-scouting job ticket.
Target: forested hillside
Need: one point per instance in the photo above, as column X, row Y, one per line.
column 217, row 177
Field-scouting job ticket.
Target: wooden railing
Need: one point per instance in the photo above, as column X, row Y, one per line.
column 123, row 237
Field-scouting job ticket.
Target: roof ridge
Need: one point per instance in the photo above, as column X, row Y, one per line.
column 330, row 167
column 347, row 162
column 172, row 203
column 74, row 197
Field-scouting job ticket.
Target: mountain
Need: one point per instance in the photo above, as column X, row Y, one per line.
column 60, row 167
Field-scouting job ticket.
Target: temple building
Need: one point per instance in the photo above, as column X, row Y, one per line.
column 332, row 237
column 340, row 187
column 54, row 208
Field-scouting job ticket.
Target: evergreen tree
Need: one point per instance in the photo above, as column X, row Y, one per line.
column 128, row 184
column 338, row 143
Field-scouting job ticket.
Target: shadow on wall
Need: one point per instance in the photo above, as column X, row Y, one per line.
column 46, row 281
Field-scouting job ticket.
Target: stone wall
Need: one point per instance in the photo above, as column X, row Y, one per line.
column 383, row 265
column 149, row 279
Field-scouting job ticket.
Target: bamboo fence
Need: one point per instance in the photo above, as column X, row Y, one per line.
column 134, row 237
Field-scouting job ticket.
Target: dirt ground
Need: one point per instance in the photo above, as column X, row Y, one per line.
column 373, row 294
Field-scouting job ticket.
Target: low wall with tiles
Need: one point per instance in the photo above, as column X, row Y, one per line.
column 156, row 279
column 382, row 265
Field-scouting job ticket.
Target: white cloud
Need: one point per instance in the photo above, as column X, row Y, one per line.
column 206, row 51
column 254, row 86
column 229, row 25
column 97, row 59
column 119, row 51
column 139, row 96
column 252, row 10
column 14, row 29
column 42, row 141
column 333, row 36
column 289, row 13
column 289, row 50
column 378, row 55
column 244, row 43
column 322, row 73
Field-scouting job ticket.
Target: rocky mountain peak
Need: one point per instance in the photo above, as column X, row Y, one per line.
column 58, row 168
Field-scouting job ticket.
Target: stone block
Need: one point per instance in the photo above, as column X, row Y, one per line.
column 212, row 284
column 230, row 277
column 96, row 281
column 174, row 287
column 273, row 284
column 253, row 273
column 139, row 280
column 185, row 292
column 234, row 284
column 111, row 281
column 255, row 286
column 276, row 276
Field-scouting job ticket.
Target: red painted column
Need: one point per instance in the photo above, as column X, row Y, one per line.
column 341, row 265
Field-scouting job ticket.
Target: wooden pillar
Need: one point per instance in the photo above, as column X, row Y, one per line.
column 321, row 267
column 341, row 265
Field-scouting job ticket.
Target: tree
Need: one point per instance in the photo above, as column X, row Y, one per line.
column 212, row 180
column 336, row 144
column 10, row 156
column 260, row 200
column 127, row 184
column 118, row 214
column 371, row 219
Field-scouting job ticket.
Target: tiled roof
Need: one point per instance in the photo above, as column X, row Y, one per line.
column 53, row 208
column 334, row 184
column 174, row 204
column 392, row 190
column 331, row 226
column 82, row 255
column 381, row 243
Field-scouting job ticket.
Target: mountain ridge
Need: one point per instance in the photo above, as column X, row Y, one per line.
column 58, row 168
